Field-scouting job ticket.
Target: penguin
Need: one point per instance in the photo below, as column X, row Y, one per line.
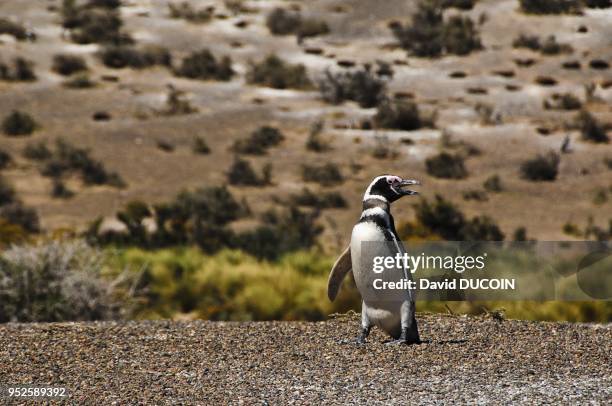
column 374, row 234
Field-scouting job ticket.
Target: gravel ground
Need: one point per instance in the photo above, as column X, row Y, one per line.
column 463, row 359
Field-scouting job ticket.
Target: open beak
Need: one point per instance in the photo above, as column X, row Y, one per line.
column 408, row 182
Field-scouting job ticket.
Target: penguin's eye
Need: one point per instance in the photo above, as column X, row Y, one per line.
column 389, row 181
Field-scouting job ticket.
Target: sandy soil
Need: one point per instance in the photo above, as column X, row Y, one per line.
column 463, row 359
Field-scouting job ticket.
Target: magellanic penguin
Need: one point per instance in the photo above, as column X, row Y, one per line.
column 374, row 235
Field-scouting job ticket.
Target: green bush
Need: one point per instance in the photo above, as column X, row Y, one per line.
column 204, row 66
column 327, row 174
column 447, row 166
column 37, row 151
column 11, row 28
column 565, row 101
column 241, row 173
column 22, row 70
column 399, row 114
column 598, row 3
column 319, row 200
column 362, row 86
column 7, row 193
column 79, row 81
column 18, row 214
column 274, row 72
column 428, row 35
column 591, row 129
column 5, row 159
column 186, row 12
column 550, row 6
column 200, row 146
column 552, row 47
column 259, row 141
column 60, row 190
column 541, row 168
column 94, row 22
column 18, row 123
column 441, row 217
column 124, row 56
column 527, row 41
column 460, row 4
column 283, row 22
column 58, row 281
column 460, row 36
column 493, row 184
column 68, row 64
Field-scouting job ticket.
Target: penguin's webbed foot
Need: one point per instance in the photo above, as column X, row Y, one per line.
column 407, row 337
column 365, row 332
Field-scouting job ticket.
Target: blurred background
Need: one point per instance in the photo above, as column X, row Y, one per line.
column 207, row 159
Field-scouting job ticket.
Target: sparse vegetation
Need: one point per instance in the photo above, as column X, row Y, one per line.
column 493, row 184
column 447, row 166
column 315, row 142
column 259, row 141
column 549, row 47
column 37, row 151
column 319, row 200
column 591, row 129
column 65, row 64
column 7, row 192
column 428, row 35
column 274, row 72
column 327, row 174
column 361, row 85
column 401, row 115
column 60, row 190
column 22, row 70
column 476, row 195
column 5, row 159
column 241, row 173
column 204, row 66
column 94, row 22
column 185, row 11
column 124, row 56
column 550, row 6
column 284, row 22
column 200, row 146
column 18, row 124
column 12, row 28
column 541, row 168
column 79, row 81
column 165, row 146
column 565, row 101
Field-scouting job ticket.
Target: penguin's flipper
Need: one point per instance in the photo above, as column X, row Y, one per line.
column 342, row 266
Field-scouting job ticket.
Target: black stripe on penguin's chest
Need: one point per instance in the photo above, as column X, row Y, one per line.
column 385, row 227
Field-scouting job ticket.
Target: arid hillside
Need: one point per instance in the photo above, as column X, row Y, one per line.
column 160, row 114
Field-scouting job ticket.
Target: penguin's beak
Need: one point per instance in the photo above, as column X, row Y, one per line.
column 408, row 182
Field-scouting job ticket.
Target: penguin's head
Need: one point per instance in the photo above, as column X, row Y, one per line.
column 389, row 188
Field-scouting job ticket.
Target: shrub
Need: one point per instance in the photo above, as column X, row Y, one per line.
column 314, row 142
column 274, row 72
column 460, row 4
column 362, row 86
column 550, row 6
column 598, row 3
column 79, row 81
column 60, row 190
column 259, row 141
column 565, row 101
column 204, row 66
column 477, row 195
column 493, row 184
column 18, row 123
column 608, row 162
column 552, row 47
column 541, row 168
column 200, row 146
column 185, row 11
column 283, row 22
column 18, row 214
column 241, row 173
column 123, row 56
column 177, row 103
column 58, row 281
column 460, row 36
column 441, row 217
column 37, row 151
column 93, row 23
column 7, row 193
column 447, row 166
column 21, row 70
column 165, row 146
column 319, row 200
column 398, row 114
column 12, row 28
column 5, row 159
column 527, row 41
column 428, row 35
column 590, row 128
column 68, row 64
column 327, row 174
